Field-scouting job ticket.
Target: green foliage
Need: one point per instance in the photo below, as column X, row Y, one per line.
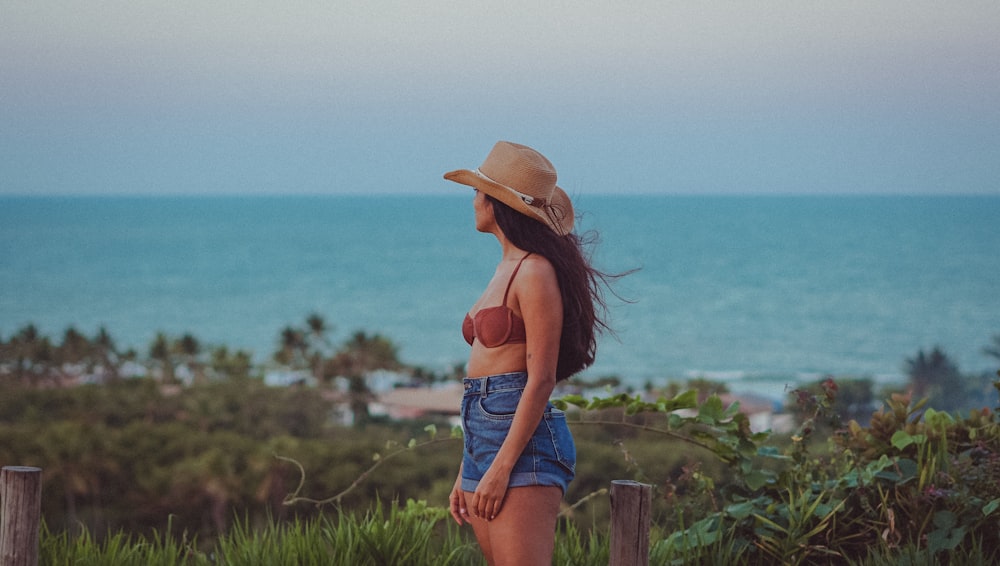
column 414, row 534
column 915, row 477
column 972, row 553
column 130, row 454
column 118, row 549
column 723, row 431
column 580, row 548
column 937, row 482
column 162, row 469
column 934, row 376
column 393, row 449
column 845, row 399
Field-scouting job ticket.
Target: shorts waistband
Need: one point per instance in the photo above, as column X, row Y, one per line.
column 491, row 383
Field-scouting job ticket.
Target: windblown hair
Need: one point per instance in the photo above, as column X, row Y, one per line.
column 580, row 284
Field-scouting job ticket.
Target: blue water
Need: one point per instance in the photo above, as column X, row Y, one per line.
column 743, row 288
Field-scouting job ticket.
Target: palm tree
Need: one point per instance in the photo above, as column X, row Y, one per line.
column 292, row 347
column 319, row 344
column 96, row 357
column 189, row 349
column 105, row 349
column 932, row 374
column 306, row 348
column 159, row 351
column 232, row 366
column 318, row 328
column 74, row 348
column 33, row 355
column 358, row 357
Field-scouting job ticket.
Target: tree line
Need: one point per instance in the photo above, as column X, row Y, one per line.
column 193, row 435
column 30, row 359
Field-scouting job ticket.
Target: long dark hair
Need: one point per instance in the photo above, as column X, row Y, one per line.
column 580, row 284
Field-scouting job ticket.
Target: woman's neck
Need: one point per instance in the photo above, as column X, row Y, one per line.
column 508, row 251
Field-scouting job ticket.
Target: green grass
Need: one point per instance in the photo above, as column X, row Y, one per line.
column 416, row 534
column 412, row 534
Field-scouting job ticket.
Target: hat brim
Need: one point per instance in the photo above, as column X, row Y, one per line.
column 503, row 194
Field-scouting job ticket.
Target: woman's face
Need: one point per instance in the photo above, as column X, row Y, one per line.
column 485, row 222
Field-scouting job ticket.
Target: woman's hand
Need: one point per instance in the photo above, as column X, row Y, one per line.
column 459, row 509
column 489, row 496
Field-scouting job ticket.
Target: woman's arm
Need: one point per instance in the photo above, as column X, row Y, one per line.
column 536, row 291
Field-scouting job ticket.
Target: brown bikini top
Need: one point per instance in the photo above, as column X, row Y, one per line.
column 496, row 326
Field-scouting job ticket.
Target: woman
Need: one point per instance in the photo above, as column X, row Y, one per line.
column 534, row 325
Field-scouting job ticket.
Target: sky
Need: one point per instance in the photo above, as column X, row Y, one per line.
column 382, row 97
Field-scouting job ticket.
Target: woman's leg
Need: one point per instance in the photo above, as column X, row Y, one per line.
column 524, row 531
column 482, row 530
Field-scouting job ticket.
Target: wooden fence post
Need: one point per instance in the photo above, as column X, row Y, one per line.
column 630, row 515
column 20, row 515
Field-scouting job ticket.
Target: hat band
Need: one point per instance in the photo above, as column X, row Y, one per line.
column 554, row 214
column 529, row 200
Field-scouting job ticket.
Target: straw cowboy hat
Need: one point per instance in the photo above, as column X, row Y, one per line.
column 524, row 180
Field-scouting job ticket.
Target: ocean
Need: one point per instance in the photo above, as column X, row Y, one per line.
column 761, row 291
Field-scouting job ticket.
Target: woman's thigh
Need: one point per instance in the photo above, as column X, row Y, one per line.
column 523, row 533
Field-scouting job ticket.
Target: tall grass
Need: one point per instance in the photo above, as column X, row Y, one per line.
column 413, row 534
column 117, row 549
column 419, row 535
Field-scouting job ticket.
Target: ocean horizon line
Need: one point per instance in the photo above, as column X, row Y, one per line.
column 785, row 284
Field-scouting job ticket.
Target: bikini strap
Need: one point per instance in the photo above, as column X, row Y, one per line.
column 512, row 275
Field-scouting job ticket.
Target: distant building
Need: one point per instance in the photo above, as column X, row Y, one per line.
column 400, row 403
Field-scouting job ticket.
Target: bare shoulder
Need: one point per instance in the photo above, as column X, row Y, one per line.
column 536, row 276
column 536, row 266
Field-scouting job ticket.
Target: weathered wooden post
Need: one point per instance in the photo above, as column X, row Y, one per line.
column 20, row 515
column 630, row 515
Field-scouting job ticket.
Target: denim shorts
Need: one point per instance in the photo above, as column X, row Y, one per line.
column 488, row 408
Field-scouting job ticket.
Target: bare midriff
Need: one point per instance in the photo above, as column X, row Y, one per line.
column 485, row 361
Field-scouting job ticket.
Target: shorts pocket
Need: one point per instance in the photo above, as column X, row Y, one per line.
column 562, row 439
column 500, row 404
